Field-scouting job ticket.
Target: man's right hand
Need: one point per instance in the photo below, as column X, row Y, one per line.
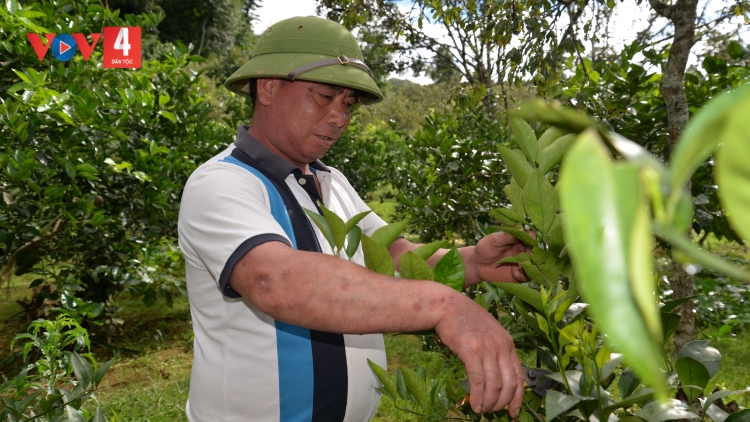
column 487, row 351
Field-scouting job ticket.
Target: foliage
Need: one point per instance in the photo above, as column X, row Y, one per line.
column 455, row 177
column 44, row 390
column 406, row 104
column 371, row 156
column 488, row 42
column 610, row 212
column 94, row 159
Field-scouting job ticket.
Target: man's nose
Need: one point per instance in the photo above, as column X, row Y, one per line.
column 338, row 114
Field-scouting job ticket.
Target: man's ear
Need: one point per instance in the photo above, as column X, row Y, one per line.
column 267, row 88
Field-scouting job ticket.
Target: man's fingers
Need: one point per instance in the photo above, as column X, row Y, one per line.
column 476, row 384
column 518, row 273
column 493, row 386
column 515, row 404
column 509, row 383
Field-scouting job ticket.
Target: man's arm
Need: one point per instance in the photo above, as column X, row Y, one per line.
column 480, row 260
column 326, row 293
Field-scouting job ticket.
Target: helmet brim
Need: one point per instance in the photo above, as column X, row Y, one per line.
column 279, row 65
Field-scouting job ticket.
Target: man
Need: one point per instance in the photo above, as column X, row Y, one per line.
column 282, row 331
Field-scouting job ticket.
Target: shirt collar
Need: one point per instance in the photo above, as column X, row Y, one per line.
column 277, row 166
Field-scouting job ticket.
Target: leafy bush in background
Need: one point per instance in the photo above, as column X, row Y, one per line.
column 456, row 176
column 94, row 160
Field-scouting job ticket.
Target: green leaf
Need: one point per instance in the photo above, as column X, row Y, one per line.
column 19, row 86
column 716, row 414
column 507, row 216
column 675, row 303
column 417, row 387
column 385, row 235
column 551, row 155
column 540, row 201
column 450, row 270
column 141, row 176
column 83, row 370
column 352, row 241
column 534, row 273
column 336, row 224
column 377, row 257
column 164, row 99
column 554, row 114
column 557, row 403
column 663, row 410
column 702, row 135
column 721, row 394
column 101, row 371
column 520, row 235
column 517, row 165
column 523, row 292
column 525, row 137
column 732, row 169
column 548, row 137
column 197, row 59
column 640, row 259
column 741, row 416
column 70, row 169
column 322, row 224
column 22, row 405
column 403, row 392
column 169, row 116
column 703, row 353
column 389, row 388
column 597, row 246
column 87, row 168
column 12, row 6
column 640, row 396
column 697, row 255
column 354, row 220
column 628, row 383
column 669, row 323
column 73, row 415
column 413, row 267
column 736, row 50
column 427, row 250
column 515, row 195
column 99, row 416
column 692, row 373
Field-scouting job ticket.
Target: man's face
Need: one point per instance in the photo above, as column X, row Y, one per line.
column 306, row 118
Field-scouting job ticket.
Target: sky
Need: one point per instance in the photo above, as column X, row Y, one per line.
column 628, row 20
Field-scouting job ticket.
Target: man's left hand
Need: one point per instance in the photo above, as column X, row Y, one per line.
column 487, row 252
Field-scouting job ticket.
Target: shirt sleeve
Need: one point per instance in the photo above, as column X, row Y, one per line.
column 224, row 213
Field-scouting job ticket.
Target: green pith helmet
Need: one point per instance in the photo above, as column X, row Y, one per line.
column 311, row 49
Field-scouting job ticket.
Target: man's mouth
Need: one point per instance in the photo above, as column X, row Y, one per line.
column 326, row 138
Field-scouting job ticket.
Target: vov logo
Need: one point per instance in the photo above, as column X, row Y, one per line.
column 122, row 46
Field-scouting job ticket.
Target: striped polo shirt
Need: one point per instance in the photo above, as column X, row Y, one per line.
column 248, row 366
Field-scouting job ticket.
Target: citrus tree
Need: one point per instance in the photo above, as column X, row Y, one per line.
column 94, row 160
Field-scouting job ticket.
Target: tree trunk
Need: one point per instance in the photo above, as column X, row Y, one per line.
column 683, row 15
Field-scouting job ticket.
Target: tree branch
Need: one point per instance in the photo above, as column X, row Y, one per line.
column 58, row 223
column 662, row 8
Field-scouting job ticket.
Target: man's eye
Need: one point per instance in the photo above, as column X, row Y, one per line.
column 327, row 97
